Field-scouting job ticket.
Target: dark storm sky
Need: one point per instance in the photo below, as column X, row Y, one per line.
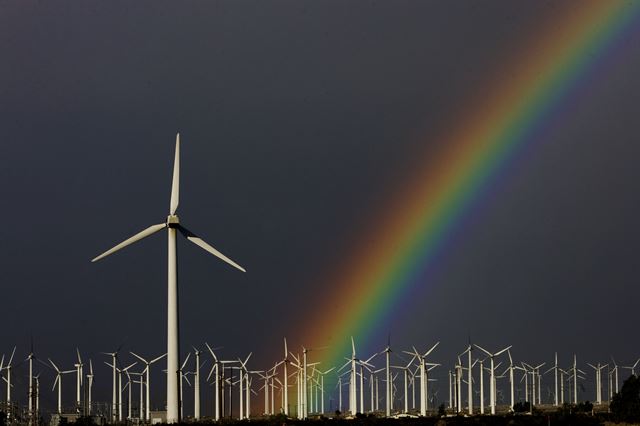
column 296, row 117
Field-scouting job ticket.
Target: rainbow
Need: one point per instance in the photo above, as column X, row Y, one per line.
column 377, row 281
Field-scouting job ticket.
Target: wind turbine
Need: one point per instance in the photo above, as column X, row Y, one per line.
column 305, row 366
column 8, row 380
column 459, row 373
column 555, row 374
column 114, row 391
column 511, row 379
column 575, row 370
column 405, row 371
column 36, row 378
column 216, row 367
column 30, row 358
column 275, row 379
column 147, row 366
column 78, row 366
column 196, row 386
column 244, row 377
column 89, row 386
column 469, row 377
column 615, row 370
column 423, row 376
column 598, row 371
column 285, row 377
column 353, row 385
column 352, row 378
column 492, row 382
column 535, row 382
column 482, row 386
column 182, row 376
column 120, row 371
column 632, row 368
column 387, row 352
column 562, row 374
column 58, row 381
column 172, row 225
column 130, row 389
column 322, row 374
column 141, row 393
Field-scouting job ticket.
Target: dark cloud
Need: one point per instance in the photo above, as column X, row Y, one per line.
column 296, row 119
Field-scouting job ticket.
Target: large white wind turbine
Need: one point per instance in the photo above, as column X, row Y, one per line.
column 172, row 225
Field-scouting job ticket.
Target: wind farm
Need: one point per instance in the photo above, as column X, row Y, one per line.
column 409, row 212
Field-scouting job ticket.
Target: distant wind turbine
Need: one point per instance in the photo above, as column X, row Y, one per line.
column 147, row 364
column 58, row 382
column 492, row 382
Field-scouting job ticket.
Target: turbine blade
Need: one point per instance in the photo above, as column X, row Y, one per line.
column 54, row 366
column 483, row 350
column 175, row 183
column 185, row 361
column 205, row 246
column 211, row 350
column 345, row 364
column 126, row 368
column 431, row 350
column 140, row 235
column 157, row 359
column 138, row 356
column 14, row 352
column 503, row 350
column 213, row 367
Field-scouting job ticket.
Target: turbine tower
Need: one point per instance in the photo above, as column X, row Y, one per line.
column 173, row 226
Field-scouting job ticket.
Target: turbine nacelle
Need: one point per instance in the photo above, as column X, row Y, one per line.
column 173, row 221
